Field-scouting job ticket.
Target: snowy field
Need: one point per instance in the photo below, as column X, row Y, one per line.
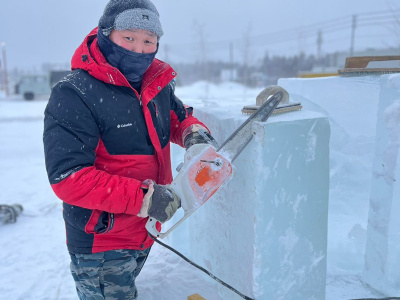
column 34, row 263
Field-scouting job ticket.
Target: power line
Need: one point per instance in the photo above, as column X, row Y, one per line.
column 383, row 17
column 372, row 23
column 301, row 35
column 382, row 12
column 330, row 25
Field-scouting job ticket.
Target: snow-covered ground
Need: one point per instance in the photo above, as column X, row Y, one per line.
column 34, row 263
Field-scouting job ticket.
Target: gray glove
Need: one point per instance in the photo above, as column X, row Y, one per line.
column 160, row 202
column 201, row 136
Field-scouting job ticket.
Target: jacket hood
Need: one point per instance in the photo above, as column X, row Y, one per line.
column 88, row 57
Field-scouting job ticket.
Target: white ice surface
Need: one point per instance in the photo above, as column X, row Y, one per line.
column 383, row 243
column 351, row 104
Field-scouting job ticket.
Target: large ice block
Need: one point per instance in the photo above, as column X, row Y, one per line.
column 382, row 261
column 265, row 231
column 351, row 105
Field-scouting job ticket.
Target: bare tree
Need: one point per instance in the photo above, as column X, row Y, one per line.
column 396, row 26
column 246, row 54
column 199, row 31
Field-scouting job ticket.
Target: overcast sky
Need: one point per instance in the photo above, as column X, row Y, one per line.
column 38, row 31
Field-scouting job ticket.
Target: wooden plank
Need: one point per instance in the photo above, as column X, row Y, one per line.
column 360, row 65
column 362, row 61
column 196, row 297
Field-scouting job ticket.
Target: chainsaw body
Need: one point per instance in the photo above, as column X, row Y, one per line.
column 203, row 172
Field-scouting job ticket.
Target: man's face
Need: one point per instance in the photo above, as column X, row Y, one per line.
column 136, row 40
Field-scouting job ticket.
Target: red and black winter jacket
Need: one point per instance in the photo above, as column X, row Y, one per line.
column 101, row 140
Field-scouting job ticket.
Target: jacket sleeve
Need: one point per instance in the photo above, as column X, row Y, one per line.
column 71, row 136
column 181, row 117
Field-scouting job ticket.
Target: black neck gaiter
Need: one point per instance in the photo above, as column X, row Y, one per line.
column 131, row 64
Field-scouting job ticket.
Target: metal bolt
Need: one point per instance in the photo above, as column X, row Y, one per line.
column 216, row 162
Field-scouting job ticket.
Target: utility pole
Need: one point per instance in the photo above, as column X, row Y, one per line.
column 353, row 30
column 203, row 57
column 231, row 61
column 301, row 50
column 246, row 56
column 1, row 77
column 5, row 75
column 203, row 53
column 319, row 46
column 166, row 49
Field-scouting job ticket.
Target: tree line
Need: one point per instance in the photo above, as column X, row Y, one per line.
column 267, row 71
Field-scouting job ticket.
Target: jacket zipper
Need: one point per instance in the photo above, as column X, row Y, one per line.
column 148, row 84
column 154, row 78
column 155, row 106
column 110, row 222
column 159, row 119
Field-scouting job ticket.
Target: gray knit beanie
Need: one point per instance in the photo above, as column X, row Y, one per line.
column 129, row 14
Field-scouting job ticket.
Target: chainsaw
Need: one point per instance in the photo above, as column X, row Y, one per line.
column 205, row 169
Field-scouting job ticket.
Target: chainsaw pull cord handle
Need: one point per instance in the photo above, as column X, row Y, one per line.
column 199, row 267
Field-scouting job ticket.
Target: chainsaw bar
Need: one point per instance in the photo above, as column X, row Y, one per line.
column 238, row 140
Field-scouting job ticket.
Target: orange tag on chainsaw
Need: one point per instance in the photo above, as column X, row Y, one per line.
column 208, row 173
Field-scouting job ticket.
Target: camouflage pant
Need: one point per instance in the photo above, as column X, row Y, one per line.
column 107, row 275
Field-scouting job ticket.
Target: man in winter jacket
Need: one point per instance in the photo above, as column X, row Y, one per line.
column 108, row 128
